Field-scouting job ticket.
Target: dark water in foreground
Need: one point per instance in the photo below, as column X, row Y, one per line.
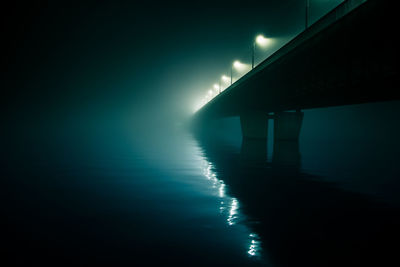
column 130, row 196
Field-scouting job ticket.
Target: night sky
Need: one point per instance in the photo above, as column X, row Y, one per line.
column 89, row 57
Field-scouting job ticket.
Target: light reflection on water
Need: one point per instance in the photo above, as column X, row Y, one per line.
column 254, row 248
column 233, row 212
column 229, row 207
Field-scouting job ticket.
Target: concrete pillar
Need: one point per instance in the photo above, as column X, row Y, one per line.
column 254, row 125
column 286, row 154
column 254, row 150
column 287, row 126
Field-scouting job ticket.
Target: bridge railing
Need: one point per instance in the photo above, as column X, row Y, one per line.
column 331, row 17
column 334, row 15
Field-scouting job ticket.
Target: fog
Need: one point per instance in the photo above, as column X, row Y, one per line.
column 68, row 59
column 87, row 73
column 97, row 167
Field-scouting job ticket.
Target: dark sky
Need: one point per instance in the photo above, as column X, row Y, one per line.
column 82, row 57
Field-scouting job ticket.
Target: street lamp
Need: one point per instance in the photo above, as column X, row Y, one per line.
column 240, row 67
column 225, row 79
column 307, row 12
column 231, row 74
column 237, row 65
column 217, row 88
column 261, row 41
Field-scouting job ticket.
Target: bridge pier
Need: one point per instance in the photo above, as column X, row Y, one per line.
column 287, row 126
column 286, row 154
column 254, row 125
column 254, row 150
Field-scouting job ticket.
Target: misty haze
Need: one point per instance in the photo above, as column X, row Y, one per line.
column 200, row 134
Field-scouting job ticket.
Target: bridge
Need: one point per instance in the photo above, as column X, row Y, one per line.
column 350, row 56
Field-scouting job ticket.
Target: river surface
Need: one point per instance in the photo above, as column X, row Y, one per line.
column 156, row 194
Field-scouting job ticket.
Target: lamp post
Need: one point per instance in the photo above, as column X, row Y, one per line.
column 307, row 12
column 252, row 55
column 224, row 79
column 237, row 65
column 217, row 87
column 261, row 41
column 231, row 73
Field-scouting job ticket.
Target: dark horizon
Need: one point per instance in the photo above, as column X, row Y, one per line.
column 98, row 165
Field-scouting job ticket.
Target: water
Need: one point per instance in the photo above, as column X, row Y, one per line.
column 124, row 194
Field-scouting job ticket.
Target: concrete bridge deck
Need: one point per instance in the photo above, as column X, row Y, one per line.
column 350, row 56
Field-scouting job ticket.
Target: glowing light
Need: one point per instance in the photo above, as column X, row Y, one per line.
column 225, row 78
column 229, row 206
column 254, row 247
column 233, row 211
column 240, row 70
column 262, row 41
column 241, row 67
column 237, row 64
column 216, row 183
column 222, row 190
